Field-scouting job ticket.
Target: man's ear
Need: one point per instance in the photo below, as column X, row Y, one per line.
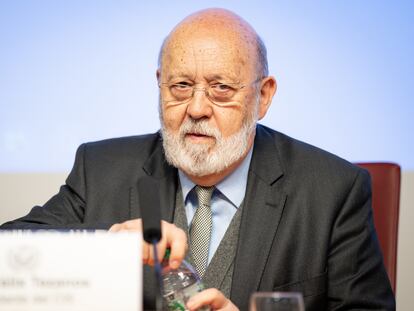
column 267, row 90
column 158, row 74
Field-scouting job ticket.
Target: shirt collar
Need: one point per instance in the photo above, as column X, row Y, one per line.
column 233, row 186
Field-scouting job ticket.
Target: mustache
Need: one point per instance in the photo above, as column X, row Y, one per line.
column 199, row 127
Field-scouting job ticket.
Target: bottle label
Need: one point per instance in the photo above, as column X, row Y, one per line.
column 176, row 300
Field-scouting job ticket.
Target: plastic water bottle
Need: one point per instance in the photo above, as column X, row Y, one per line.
column 179, row 285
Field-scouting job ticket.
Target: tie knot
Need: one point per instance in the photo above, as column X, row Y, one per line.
column 204, row 194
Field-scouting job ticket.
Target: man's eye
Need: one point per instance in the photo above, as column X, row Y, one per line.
column 181, row 86
column 221, row 87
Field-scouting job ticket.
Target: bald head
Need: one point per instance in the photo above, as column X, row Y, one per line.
column 222, row 26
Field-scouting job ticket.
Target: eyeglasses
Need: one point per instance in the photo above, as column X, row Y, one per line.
column 218, row 93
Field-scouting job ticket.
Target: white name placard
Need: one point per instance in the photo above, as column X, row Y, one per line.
column 73, row 271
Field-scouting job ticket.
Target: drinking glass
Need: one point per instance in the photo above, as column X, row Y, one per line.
column 276, row 301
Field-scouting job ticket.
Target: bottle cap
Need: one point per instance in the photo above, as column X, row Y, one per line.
column 167, row 254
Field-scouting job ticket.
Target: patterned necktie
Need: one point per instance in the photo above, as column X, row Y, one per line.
column 200, row 232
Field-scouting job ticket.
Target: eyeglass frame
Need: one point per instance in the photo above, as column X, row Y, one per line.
column 206, row 88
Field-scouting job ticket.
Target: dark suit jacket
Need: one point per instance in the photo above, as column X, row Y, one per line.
column 306, row 223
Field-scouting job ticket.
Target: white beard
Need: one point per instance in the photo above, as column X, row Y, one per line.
column 206, row 159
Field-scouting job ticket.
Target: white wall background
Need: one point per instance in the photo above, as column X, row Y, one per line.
column 74, row 71
column 82, row 70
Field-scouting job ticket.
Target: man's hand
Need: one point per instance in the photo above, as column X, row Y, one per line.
column 213, row 298
column 172, row 237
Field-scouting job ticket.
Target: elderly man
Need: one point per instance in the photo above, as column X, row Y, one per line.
column 262, row 211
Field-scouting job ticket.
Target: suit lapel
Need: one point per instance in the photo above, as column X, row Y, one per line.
column 166, row 176
column 261, row 214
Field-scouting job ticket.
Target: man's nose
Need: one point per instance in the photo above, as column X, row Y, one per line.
column 199, row 106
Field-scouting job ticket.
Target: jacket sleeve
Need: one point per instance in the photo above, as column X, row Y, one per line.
column 356, row 274
column 66, row 209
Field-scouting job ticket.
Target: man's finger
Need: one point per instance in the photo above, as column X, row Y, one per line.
column 210, row 297
column 145, row 252
column 115, row 228
column 178, row 244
